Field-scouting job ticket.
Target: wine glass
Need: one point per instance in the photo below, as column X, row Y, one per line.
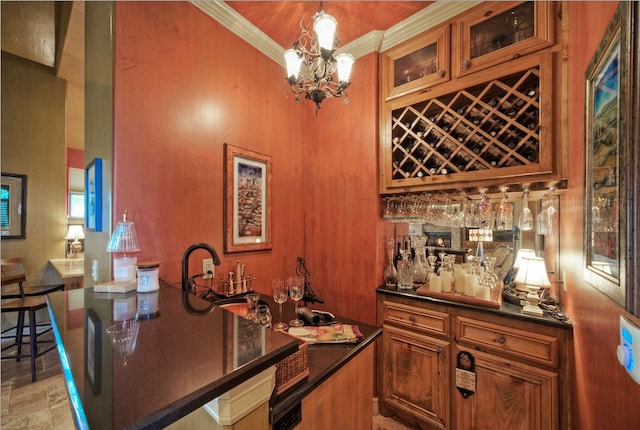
column 280, row 293
column 123, row 337
column 296, row 292
column 526, row 217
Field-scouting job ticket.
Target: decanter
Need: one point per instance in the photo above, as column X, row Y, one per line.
column 405, row 275
column 390, row 273
column 490, row 278
column 420, row 266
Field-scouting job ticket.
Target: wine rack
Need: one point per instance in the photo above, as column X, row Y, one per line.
column 486, row 127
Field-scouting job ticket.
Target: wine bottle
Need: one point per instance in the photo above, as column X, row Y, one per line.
column 398, row 257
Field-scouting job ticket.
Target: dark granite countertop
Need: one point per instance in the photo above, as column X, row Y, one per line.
column 507, row 309
column 180, row 362
column 324, row 359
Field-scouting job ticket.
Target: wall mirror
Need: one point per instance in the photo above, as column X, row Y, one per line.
column 14, row 206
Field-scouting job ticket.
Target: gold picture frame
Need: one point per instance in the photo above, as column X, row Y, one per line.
column 247, row 203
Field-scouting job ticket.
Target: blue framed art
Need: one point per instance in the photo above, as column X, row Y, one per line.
column 93, row 195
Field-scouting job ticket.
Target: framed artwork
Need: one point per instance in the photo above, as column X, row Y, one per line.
column 610, row 207
column 418, row 63
column 13, row 199
column 93, row 350
column 93, row 195
column 247, row 203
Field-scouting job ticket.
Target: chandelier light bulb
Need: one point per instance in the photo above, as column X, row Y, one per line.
column 325, row 27
column 345, row 63
column 294, row 60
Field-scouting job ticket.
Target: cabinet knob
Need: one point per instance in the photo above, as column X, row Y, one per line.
column 465, row 64
column 441, row 73
column 500, row 339
column 412, row 319
column 439, row 350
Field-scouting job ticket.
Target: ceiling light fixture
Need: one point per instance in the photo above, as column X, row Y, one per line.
column 311, row 63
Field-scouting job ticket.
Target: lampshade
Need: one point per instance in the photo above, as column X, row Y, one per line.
column 124, row 238
column 325, row 27
column 537, row 273
column 75, row 232
column 345, row 63
column 522, row 253
column 532, row 273
column 294, row 60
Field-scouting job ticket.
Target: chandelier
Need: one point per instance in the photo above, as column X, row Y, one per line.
column 311, row 63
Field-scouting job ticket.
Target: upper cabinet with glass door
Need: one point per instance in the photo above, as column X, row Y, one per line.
column 418, row 63
column 501, row 31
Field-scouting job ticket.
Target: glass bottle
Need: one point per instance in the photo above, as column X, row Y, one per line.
column 420, row 268
column 504, row 213
column 405, row 275
column 390, row 273
column 490, row 278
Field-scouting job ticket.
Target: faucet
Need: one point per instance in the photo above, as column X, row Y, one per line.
column 185, row 277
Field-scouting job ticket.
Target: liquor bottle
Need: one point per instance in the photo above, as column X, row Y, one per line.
column 398, row 257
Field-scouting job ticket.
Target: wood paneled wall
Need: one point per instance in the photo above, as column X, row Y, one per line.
column 605, row 396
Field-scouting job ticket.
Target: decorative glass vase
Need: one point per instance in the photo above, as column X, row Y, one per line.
column 390, row 273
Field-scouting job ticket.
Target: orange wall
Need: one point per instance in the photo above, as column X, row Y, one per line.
column 182, row 90
column 606, row 397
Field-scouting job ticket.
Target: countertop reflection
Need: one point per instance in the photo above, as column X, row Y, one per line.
column 179, row 362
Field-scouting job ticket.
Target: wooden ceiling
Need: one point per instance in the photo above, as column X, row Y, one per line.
column 281, row 20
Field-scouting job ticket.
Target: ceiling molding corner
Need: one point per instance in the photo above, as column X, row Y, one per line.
column 423, row 20
column 242, row 28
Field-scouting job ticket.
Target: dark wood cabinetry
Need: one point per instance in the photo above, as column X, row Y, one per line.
column 521, row 367
column 496, row 121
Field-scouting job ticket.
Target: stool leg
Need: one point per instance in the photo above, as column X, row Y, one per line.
column 34, row 345
column 19, row 334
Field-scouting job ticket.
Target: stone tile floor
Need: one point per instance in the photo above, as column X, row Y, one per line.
column 44, row 405
column 35, row 406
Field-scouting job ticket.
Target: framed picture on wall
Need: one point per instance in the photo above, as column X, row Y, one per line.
column 93, row 195
column 13, row 201
column 610, row 171
column 247, row 201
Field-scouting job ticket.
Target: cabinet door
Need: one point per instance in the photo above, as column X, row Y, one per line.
column 509, row 396
column 500, row 31
column 415, row 377
column 418, row 63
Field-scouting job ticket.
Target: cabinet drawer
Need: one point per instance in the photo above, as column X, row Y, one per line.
column 509, row 341
column 417, row 318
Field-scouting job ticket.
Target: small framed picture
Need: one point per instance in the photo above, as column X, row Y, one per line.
column 247, row 203
column 93, row 350
column 93, row 195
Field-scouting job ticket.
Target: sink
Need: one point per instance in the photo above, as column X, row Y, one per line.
column 237, row 305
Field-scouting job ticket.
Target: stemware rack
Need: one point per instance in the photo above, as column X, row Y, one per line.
column 491, row 125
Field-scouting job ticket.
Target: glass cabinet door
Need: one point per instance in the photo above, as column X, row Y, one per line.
column 502, row 31
column 416, row 64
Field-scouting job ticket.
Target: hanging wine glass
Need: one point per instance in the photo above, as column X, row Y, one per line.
column 551, row 213
column 504, row 212
column 525, row 223
column 483, row 210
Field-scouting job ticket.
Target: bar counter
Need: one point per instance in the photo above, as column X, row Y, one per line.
column 184, row 356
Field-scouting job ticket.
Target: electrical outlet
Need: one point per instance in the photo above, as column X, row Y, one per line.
column 207, row 268
column 564, row 279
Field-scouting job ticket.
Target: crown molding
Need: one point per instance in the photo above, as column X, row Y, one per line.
column 374, row 41
column 242, row 28
column 427, row 18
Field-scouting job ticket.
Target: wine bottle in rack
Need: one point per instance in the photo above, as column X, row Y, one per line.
column 530, row 154
column 530, row 92
column 494, row 102
column 462, row 109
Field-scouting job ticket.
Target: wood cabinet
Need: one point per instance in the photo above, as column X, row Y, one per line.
column 520, row 366
column 501, row 31
column 495, row 122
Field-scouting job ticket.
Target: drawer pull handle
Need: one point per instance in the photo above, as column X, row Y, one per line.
column 439, row 350
column 412, row 319
column 501, row 340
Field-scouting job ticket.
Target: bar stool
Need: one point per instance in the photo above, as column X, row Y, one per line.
column 28, row 299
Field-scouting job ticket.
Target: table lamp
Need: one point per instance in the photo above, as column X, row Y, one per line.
column 124, row 240
column 532, row 274
column 75, row 233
